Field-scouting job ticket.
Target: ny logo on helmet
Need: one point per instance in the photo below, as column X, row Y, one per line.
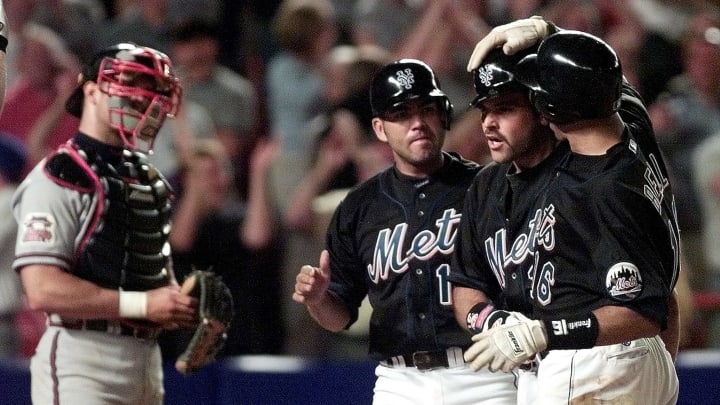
column 405, row 78
column 485, row 75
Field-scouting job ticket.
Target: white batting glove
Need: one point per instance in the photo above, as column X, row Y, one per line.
column 505, row 347
column 513, row 37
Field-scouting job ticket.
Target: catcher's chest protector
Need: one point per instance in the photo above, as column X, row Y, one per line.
column 125, row 244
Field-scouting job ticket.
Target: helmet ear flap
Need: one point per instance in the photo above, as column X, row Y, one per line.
column 448, row 112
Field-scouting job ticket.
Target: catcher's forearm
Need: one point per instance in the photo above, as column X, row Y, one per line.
column 51, row 289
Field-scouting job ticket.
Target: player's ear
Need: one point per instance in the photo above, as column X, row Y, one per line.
column 379, row 129
column 90, row 91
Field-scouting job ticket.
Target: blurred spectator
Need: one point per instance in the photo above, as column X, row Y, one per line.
column 213, row 230
column 13, row 158
column 683, row 117
column 295, row 85
column 176, row 138
column 706, row 168
column 76, row 21
column 581, row 15
column 181, row 11
column 306, row 31
column 499, row 12
column 18, row 13
column 442, row 33
column 47, row 73
column 649, row 58
column 146, row 22
column 346, row 142
column 230, row 98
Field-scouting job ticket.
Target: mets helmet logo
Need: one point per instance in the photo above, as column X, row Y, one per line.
column 485, row 75
column 405, row 78
column 623, row 281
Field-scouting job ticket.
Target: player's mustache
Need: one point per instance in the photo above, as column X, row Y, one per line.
column 493, row 134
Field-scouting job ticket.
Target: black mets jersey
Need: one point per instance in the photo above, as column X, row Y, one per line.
column 607, row 230
column 496, row 207
column 601, row 231
column 392, row 239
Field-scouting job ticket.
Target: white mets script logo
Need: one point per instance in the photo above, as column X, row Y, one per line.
column 391, row 256
column 405, row 78
column 540, row 233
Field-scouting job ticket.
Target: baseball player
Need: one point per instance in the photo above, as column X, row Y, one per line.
column 597, row 261
column 523, row 149
column 392, row 239
column 92, row 249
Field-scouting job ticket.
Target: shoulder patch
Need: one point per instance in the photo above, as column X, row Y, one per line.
column 65, row 170
column 623, row 281
column 38, row 228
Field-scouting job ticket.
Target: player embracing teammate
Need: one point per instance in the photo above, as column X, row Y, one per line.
column 568, row 251
column 565, row 259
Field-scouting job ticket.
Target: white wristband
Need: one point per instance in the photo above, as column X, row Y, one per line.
column 133, row 304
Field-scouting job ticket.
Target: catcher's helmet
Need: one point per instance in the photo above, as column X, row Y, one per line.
column 404, row 80
column 497, row 75
column 573, row 76
column 127, row 73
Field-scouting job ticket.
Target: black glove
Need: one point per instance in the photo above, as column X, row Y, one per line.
column 215, row 312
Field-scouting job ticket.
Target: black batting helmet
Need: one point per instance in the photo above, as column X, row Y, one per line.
column 573, row 76
column 404, row 80
column 497, row 75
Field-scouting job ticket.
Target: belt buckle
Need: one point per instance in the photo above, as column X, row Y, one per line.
column 427, row 360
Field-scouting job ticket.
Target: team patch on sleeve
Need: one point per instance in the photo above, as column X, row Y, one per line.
column 623, row 281
column 38, row 227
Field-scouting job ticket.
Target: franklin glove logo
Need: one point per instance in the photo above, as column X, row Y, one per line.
column 515, row 345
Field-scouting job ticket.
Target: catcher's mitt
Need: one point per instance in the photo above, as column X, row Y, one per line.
column 215, row 311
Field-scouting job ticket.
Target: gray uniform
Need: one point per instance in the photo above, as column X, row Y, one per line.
column 102, row 214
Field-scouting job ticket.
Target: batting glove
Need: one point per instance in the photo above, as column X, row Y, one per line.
column 513, row 37
column 505, row 347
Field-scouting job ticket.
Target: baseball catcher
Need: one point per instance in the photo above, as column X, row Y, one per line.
column 215, row 311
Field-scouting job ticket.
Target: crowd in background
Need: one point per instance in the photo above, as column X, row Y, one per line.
column 275, row 128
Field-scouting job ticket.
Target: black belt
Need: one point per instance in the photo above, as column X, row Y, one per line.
column 112, row 327
column 427, row 360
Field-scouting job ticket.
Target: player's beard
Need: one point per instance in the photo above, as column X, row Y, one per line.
column 422, row 155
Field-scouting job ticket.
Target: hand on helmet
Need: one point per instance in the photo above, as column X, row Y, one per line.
column 513, row 37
